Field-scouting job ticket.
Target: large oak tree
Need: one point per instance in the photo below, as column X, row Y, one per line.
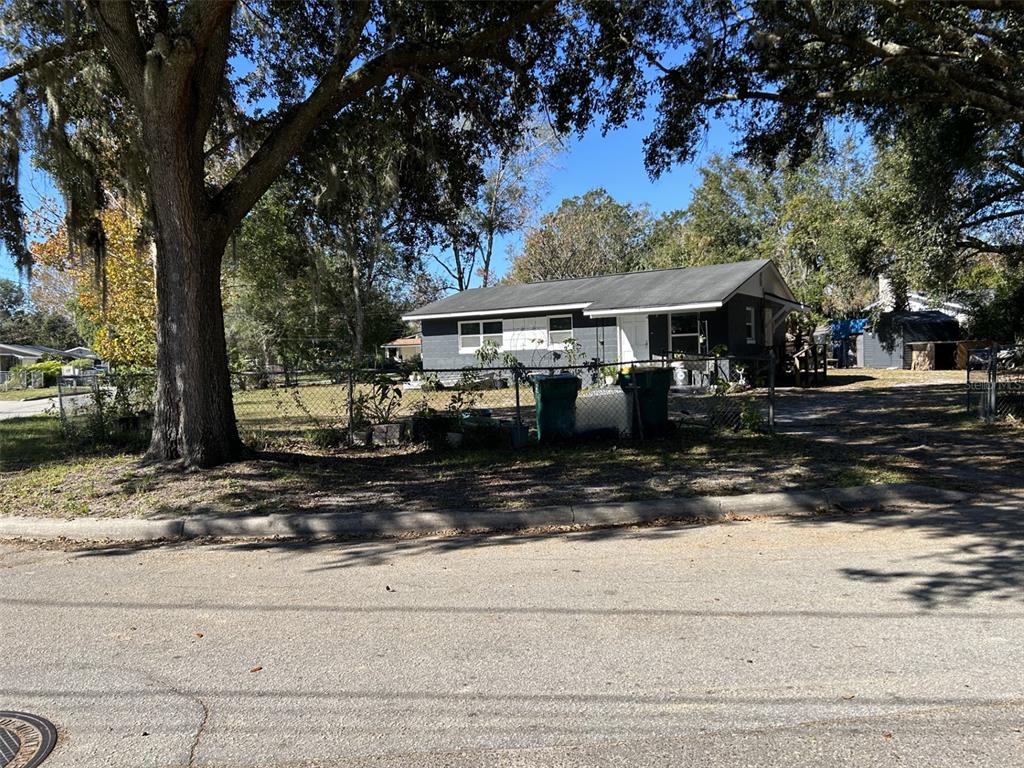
column 196, row 107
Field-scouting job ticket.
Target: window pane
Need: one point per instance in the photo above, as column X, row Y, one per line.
column 492, row 326
column 468, row 328
column 686, row 344
column 560, row 323
column 559, row 337
column 684, row 323
column 494, row 338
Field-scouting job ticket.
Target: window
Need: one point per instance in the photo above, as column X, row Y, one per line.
column 751, row 337
column 474, row 333
column 559, row 330
column 684, row 333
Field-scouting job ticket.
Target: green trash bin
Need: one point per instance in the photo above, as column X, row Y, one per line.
column 650, row 386
column 556, row 405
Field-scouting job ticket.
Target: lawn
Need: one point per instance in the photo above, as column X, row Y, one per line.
column 286, row 413
column 29, row 441
column 863, row 428
column 415, row 478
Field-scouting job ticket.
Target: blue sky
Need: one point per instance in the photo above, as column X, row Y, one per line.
column 614, row 162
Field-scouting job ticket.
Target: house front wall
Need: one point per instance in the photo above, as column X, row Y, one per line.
column 726, row 327
column 609, row 339
column 524, row 334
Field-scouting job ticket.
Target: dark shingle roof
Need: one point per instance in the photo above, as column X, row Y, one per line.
column 654, row 288
column 28, row 350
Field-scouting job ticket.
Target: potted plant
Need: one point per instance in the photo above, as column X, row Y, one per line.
column 610, row 374
column 461, row 402
column 382, row 407
column 362, row 430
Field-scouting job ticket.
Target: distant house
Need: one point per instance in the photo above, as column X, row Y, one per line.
column 402, row 349
column 927, row 326
column 15, row 355
column 621, row 318
column 892, row 340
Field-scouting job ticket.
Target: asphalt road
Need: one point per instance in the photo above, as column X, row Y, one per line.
column 16, row 409
column 882, row 640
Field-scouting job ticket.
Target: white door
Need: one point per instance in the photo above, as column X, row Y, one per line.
column 634, row 342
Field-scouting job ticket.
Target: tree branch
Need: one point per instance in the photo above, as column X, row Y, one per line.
column 42, row 56
column 119, row 32
column 337, row 89
column 994, row 217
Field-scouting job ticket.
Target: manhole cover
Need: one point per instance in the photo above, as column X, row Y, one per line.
column 25, row 740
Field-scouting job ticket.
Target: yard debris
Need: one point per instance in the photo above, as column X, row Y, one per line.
column 256, row 669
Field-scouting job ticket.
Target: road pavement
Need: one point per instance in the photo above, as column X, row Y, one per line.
column 16, row 409
column 866, row 640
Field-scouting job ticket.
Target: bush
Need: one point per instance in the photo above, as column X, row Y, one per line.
column 327, row 437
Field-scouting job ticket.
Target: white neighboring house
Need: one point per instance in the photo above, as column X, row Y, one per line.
column 918, row 302
column 404, row 348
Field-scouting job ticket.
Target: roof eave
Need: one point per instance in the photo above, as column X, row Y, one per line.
column 495, row 312
column 616, row 311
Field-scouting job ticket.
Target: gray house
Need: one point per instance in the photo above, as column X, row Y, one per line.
column 620, row 318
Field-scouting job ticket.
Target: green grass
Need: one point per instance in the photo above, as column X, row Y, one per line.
column 412, row 478
column 25, row 394
column 280, row 412
column 30, row 440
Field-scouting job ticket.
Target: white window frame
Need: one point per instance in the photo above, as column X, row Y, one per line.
column 559, row 345
column 671, row 335
column 751, row 325
column 481, row 337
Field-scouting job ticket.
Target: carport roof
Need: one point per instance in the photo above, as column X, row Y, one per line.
column 688, row 287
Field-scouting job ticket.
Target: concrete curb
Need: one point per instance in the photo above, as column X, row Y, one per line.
column 373, row 525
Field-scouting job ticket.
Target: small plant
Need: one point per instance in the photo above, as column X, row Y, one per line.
column 326, row 438
column 487, row 353
column 573, row 351
column 610, row 373
column 751, row 418
column 431, row 383
column 384, row 401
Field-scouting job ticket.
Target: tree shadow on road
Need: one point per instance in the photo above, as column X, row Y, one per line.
column 982, row 556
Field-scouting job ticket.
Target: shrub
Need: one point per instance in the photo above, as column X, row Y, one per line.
column 327, row 437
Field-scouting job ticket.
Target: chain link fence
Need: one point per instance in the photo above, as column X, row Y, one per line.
column 995, row 382
column 487, row 406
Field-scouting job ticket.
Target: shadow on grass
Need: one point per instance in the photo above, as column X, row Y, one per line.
column 499, row 481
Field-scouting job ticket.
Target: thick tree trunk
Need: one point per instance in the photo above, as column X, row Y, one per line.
column 359, row 313
column 194, row 419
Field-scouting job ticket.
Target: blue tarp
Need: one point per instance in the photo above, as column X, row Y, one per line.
column 844, row 329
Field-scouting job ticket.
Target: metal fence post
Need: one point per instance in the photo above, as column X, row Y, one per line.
column 771, row 391
column 968, row 381
column 97, row 396
column 351, row 397
column 60, row 401
column 992, row 376
column 519, row 412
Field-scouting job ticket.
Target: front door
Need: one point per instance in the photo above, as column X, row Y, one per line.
column 634, row 341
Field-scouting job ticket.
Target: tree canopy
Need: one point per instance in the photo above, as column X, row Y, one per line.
column 195, row 109
column 585, row 236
